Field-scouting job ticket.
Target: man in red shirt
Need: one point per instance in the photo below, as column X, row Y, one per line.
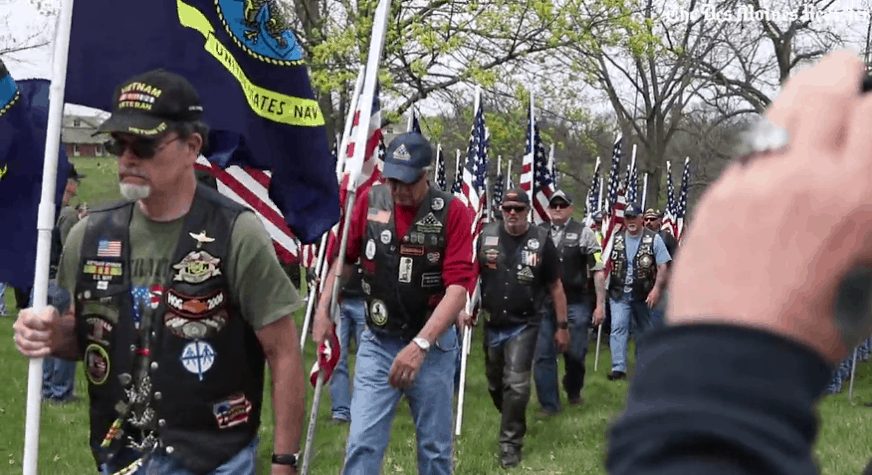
column 415, row 248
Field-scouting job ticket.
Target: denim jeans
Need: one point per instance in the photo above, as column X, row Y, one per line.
column 658, row 313
column 623, row 311
column 507, row 367
column 2, row 299
column 352, row 320
column 374, row 403
column 159, row 463
column 545, row 367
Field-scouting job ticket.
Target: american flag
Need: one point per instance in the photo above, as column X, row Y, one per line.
column 543, row 184
column 552, row 165
column 593, row 194
column 528, row 164
column 107, row 248
column 474, row 186
column 681, row 207
column 633, row 187
column 457, row 186
column 498, row 192
column 414, row 126
column 617, row 202
column 440, row 169
column 669, row 214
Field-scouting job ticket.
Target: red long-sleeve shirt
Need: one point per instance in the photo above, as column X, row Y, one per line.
column 457, row 265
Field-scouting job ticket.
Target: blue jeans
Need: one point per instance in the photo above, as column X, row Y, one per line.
column 623, row 311
column 2, row 299
column 159, row 463
column 374, row 402
column 545, row 368
column 352, row 320
column 658, row 313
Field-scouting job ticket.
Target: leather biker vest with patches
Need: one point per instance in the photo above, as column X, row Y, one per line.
column 512, row 290
column 574, row 264
column 204, row 363
column 402, row 277
column 644, row 266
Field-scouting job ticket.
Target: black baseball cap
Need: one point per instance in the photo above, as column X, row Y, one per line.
column 407, row 156
column 516, row 195
column 560, row 195
column 151, row 103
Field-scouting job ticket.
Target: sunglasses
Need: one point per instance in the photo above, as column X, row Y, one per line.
column 559, row 206
column 141, row 147
column 517, row 209
column 651, row 220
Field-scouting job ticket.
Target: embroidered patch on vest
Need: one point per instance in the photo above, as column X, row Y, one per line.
column 434, row 257
column 196, row 327
column 106, row 248
column 370, row 249
column 645, row 262
column 492, row 254
column 525, row 275
column 378, row 312
column 438, row 204
column 99, row 329
column 96, row 364
column 492, row 241
column 429, row 224
column 232, row 411
column 405, row 274
column 201, row 238
column 571, row 236
column 198, row 357
column 533, row 244
column 195, row 305
column 382, row 216
column 431, row 280
column 415, row 238
column 103, row 271
column 529, row 258
column 411, row 250
column 385, row 237
column 197, row 267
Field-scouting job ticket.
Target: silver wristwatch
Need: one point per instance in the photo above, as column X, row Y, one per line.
column 422, row 343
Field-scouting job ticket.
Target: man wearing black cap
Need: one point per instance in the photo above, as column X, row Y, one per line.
column 178, row 302
column 414, row 243
column 519, row 268
column 635, row 284
column 581, row 264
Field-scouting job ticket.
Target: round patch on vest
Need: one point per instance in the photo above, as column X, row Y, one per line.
column 438, row 204
column 385, row 237
column 533, row 244
column 96, row 364
column 645, row 261
column 378, row 312
column 198, row 357
column 370, row 249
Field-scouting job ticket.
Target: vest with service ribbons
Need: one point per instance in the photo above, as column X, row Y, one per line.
column 402, row 277
column 574, row 263
column 644, row 266
column 204, row 363
column 512, row 290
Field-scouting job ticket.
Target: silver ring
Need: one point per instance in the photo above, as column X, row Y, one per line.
column 764, row 137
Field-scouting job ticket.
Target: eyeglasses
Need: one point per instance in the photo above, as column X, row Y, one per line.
column 141, row 147
column 559, row 206
column 516, row 209
column 651, row 220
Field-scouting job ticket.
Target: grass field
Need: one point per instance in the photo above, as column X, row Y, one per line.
column 571, row 443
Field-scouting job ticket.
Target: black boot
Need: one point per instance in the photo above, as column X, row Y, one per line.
column 510, row 456
column 615, row 375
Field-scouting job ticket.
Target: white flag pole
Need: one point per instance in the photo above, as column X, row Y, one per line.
column 320, row 268
column 45, row 224
column 644, row 190
column 509, row 183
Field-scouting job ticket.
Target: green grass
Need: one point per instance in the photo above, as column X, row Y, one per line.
column 571, row 443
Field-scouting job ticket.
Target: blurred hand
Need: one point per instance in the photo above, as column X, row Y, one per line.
column 36, row 335
column 773, row 239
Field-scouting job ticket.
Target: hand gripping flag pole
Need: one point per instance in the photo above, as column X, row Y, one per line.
column 376, row 47
column 321, row 266
column 46, row 224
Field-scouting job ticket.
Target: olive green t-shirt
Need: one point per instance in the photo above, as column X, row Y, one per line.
column 258, row 285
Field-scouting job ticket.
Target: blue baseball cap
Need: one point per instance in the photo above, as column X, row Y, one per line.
column 632, row 211
column 407, row 156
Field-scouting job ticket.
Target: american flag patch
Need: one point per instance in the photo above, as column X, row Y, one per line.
column 109, row 248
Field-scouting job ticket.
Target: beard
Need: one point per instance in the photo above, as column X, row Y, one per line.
column 134, row 192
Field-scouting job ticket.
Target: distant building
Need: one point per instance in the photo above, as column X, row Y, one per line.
column 77, row 136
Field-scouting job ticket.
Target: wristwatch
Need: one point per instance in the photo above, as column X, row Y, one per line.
column 562, row 325
column 422, row 343
column 285, row 459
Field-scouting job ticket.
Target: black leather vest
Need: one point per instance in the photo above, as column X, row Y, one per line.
column 402, row 278
column 352, row 287
column 573, row 262
column 644, row 266
column 205, row 364
column 512, row 290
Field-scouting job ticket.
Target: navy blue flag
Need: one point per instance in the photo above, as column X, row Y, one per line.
column 247, row 66
column 23, row 123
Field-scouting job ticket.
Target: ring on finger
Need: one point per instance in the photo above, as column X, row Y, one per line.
column 762, row 139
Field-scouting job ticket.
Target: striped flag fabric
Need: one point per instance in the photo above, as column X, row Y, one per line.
column 414, row 125
column 614, row 178
column 592, row 202
column 498, row 192
column 457, row 186
column 543, row 183
column 681, row 206
column 633, row 186
column 528, row 164
column 474, row 185
column 439, row 179
column 614, row 221
column 669, row 223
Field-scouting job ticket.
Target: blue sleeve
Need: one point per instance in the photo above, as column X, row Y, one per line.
column 661, row 254
column 719, row 400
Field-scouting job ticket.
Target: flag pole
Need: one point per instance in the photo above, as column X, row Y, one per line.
column 532, row 191
column 509, row 175
column 341, row 155
column 45, row 224
column 644, row 190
